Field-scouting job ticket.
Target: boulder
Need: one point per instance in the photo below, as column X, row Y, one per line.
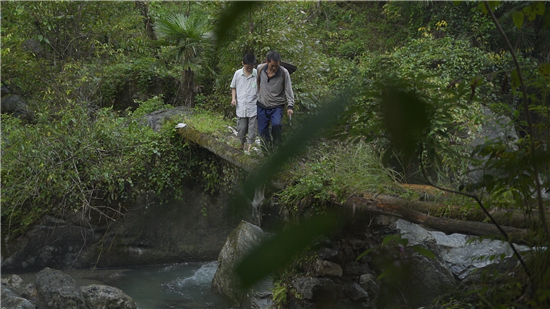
column 156, row 119
column 52, row 242
column 315, row 289
column 259, row 301
column 106, row 297
column 10, row 300
column 354, row 291
column 458, row 251
column 152, row 232
column 328, row 254
column 58, row 290
column 17, row 106
column 494, row 128
column 239, row 243
column 417, row 277
column 5, row 91
column 326, row 268
column 368, row 283
column 356, row 269
column 16, row 285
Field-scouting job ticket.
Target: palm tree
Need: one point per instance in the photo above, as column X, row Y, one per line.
column 186, row 39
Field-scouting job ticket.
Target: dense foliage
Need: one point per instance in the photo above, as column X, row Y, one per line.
column 419, row 76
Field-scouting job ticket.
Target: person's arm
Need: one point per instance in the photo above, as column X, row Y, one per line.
column 234, row 89
column 289, row 94
column 234, row 96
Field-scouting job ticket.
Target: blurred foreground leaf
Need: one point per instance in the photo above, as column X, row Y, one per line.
column 227, row 18
column 405, row 118
column 281, row 249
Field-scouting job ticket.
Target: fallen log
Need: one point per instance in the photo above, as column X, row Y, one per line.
column 365, row 203
column 509, row 218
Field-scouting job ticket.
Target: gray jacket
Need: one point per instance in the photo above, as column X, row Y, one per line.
column 275, row 91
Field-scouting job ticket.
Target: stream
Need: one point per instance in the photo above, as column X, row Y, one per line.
column 171, row 286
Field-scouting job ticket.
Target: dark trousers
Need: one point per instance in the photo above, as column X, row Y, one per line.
column 275, row 116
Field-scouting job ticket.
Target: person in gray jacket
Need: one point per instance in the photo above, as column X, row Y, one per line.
column 244, row 97
column 274, row 90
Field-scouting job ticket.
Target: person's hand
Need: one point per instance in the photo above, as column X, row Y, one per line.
column 233, row 102
column 289, row 112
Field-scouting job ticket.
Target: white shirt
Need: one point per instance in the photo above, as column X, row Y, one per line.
column 246, row 93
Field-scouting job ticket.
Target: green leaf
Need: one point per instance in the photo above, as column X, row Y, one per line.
column 364, row 253
column 483, row 8
column 530, row 13
column 425, row 252
column 518, row 18
column 281, row 249
column 389, row 239
column 515, row 79
column 538, row 8
column 383, row 275
column 544, row 69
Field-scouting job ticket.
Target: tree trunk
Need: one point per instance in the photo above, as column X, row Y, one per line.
column 147, row 19
column 188, row 88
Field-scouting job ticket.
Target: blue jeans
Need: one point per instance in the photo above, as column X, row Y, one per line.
column 275, row 116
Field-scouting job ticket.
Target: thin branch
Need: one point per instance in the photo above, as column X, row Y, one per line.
column 529, row 122
column 478, row 201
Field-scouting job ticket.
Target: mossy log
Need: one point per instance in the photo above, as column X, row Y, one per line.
column 377, row 206
column 224, row 151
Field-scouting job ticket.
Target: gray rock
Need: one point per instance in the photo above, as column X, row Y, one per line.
column 495, row 128
column 429, row 278
column 58, row 290
column 106, row 297
column 16, row 285
column 155, row 119
column 354, row 291
column 239, row 243
column 312, row 288
column 419, row 277
column 328, row 254
column 5, row 91
column 326, row 268
column 11, row 300
column 16, row 105
column 13, row 282
column 50, row 243
column 152, row 232
column 460, row 253
column 368, row 283
column 356, row 269
column 258, row 301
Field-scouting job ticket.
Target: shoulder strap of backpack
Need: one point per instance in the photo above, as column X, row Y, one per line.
column 259, row 69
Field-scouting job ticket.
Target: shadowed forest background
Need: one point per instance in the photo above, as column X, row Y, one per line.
column 386, row 92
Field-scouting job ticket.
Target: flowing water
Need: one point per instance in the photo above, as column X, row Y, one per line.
column 173, row 286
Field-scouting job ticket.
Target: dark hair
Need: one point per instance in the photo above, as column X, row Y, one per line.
column 273, row 55
column 249, row 59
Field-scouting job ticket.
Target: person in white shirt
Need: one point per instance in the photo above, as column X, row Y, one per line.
column 244, row 97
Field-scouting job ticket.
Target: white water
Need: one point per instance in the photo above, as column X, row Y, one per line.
column 176, row 286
